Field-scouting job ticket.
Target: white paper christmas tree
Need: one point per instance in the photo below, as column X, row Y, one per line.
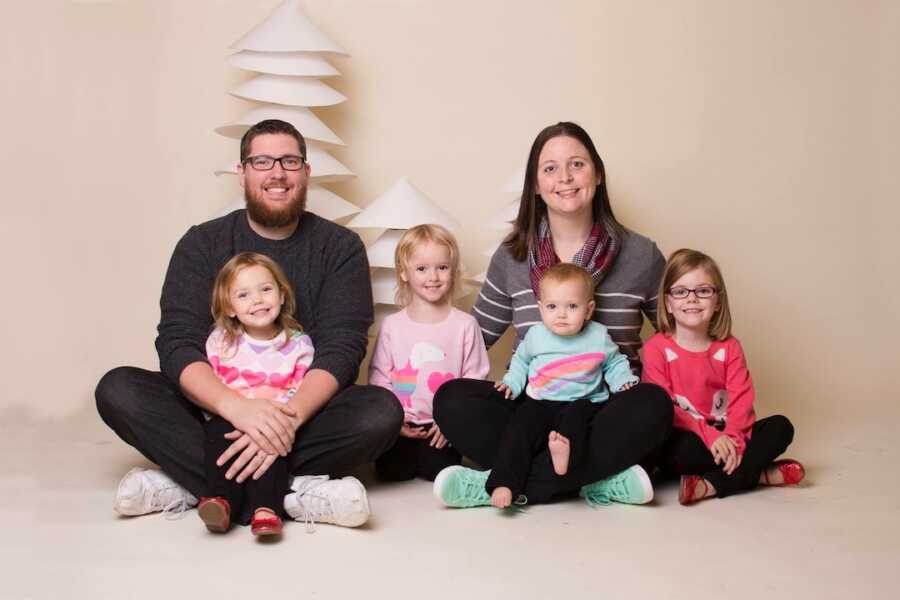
column 290, row 55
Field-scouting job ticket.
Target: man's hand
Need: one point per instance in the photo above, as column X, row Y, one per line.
column 271, row 425
column 268, row 424
column 250, row 461
column 281, row 421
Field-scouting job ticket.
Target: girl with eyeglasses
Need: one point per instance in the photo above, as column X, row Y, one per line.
column 717, row 446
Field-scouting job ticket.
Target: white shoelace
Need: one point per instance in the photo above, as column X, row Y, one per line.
column 326, row 508
column 304, row 488
column 177, row 508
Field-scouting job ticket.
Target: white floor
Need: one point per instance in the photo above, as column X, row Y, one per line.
column 836, row 536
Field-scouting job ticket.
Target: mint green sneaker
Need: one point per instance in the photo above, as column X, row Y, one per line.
column 460, row 487
column 631, row 486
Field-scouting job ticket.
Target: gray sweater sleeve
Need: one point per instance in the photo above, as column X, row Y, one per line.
column 343, row 307
column 493, row 310
column 652, row 276
column 185, row 317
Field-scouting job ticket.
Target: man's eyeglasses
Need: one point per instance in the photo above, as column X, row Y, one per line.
column 704, row 292
column 288, row 162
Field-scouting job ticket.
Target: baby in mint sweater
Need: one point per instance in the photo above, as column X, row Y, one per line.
column 566, row 366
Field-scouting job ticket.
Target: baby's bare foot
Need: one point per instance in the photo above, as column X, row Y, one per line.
column 502, row 497
column 559, row 452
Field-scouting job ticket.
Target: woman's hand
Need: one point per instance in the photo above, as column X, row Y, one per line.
column 502, row 387
column 251, row 459
column 725, row 453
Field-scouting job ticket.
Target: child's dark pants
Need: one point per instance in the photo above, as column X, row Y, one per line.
column 267, row 491
column 685, row 454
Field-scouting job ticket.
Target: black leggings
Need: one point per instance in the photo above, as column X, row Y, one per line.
column 527, row 433
column 684, row 453
column 410, row 457
column 623, row 431
column 268, row 491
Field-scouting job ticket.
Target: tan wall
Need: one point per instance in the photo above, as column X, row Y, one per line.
column 763, row 132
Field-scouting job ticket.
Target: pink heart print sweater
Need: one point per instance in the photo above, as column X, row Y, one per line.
column 269, row 369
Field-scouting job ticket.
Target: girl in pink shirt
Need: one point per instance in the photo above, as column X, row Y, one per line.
column 425, row 344
column 718, row 446
column 258, row 349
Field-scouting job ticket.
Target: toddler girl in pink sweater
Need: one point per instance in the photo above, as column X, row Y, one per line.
column 718, row 446
column 258, row 349
column 420, row 347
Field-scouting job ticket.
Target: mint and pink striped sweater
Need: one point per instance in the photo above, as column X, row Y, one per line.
column 566, row 368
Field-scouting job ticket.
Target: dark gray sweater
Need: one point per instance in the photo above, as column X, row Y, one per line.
column 325, row 263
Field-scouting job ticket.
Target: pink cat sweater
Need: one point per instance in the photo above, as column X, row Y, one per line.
column 712, row 390
column 254, row 368
column 413, row 359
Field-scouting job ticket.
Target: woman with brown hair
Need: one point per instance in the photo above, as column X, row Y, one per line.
column 564, row 216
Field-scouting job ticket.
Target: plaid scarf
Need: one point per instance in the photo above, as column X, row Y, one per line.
column 597, row 255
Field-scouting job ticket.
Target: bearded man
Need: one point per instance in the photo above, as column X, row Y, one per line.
column 334, row 424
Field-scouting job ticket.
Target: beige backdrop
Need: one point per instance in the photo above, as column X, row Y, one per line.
column 763, row 132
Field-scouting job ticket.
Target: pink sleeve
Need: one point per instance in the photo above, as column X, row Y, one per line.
column 655, row 371
column 475, row 364
column 213, row 351
column 304, row 359
column 655, row 366
column 382, row 362
column 704, row 431
column 740, row 415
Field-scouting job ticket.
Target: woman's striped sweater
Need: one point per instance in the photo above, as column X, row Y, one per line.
column 624, row 297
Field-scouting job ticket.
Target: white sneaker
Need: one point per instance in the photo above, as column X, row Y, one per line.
column 145, row 491
column 337, row 501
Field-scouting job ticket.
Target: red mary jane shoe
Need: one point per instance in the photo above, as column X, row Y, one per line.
column 792, row 472
column 693, row 489
column 265, row 522
column 215, row 513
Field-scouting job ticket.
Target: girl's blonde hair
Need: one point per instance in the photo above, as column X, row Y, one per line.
column 406, row 246
column 680, row 263
column 221, row 302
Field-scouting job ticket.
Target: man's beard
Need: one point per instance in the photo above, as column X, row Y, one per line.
column 276, row 217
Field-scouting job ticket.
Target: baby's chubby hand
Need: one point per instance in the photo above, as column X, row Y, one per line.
column 502, row 387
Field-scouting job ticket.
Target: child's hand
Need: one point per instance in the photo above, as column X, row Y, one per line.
column 627, row 386
column 411, row 430
column 725, row 453
column 502, row 387
column 438, row 440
